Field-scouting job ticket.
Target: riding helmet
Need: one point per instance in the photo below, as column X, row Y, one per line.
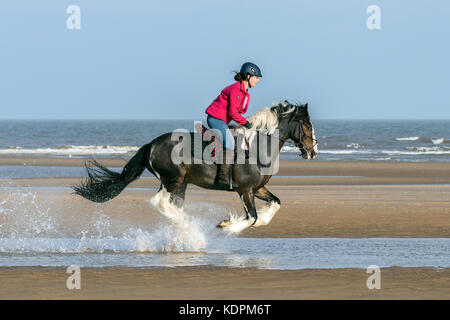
column 251, row 69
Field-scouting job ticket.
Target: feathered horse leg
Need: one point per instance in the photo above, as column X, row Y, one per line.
column 268, row 211
column 237, row 224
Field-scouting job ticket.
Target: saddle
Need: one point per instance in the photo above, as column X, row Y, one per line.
column 209, row 139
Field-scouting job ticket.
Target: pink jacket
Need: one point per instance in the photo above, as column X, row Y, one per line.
column 230, row 104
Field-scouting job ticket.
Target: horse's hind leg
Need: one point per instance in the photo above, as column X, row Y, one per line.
column 169, row 198
column 170, row 204
column 169, row 201
column 177, row 197
column 266, row 213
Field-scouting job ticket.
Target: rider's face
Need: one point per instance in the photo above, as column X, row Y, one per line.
column 253, row 80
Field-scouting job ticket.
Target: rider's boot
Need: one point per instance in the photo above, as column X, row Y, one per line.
column 224, row 174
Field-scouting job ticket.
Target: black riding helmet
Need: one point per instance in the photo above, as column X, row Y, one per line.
column 251, row 69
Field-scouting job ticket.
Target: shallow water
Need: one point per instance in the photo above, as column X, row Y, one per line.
column 263, row 253
column 15, row 172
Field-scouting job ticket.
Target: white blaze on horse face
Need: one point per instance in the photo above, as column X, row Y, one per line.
column 316, row 150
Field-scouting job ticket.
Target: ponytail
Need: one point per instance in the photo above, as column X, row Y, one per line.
column 239, row 76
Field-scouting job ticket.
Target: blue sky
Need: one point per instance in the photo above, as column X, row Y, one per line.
column 169, row 59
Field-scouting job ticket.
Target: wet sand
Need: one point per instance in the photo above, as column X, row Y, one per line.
column 318, row 199
column 306, row 211
column 194, row 283
column 338, row 199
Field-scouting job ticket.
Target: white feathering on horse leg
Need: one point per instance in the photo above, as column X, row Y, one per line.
column 237, row 223
column 189, row 231
column 266, row 213
column 161, row 201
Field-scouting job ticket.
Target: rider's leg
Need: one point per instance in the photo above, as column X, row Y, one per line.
column 224, row 171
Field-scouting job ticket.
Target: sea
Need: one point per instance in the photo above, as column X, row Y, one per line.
column 343, row 140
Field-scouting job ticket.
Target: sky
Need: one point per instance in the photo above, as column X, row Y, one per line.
column 163, row 59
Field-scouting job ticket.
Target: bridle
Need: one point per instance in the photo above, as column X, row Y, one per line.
column 303, row 134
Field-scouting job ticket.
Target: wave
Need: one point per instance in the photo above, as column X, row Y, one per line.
column 419, row 151
column 295, row 150
column 435, row 150
column 438, row 141
column 354, row 145
column 408, row 139
column 72, row 150
column 426, row 149
column 347, row 152
column 354, row 148
column 289, row 149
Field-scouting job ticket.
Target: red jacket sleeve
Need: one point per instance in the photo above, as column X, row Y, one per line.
column 236, row 100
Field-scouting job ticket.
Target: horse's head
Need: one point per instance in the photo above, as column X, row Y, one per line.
column 294, row 124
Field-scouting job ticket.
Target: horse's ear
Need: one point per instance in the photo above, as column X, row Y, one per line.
column 306, row 107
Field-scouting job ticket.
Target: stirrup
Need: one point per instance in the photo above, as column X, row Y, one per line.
column 231, row 177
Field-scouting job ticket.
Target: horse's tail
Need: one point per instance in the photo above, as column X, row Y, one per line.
column 103, row 184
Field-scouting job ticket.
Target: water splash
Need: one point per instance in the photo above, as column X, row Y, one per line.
column 187, row 231
column 21, row 215
column 29, row 223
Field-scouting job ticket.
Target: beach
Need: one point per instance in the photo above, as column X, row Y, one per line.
column 319, row 199
column 200, row 283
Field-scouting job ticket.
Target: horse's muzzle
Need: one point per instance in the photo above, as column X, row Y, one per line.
column 308, row 155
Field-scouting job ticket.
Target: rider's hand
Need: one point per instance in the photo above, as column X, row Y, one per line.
column 247, row 125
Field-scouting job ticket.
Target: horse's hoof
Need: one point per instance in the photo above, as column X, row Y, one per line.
column 224, row 224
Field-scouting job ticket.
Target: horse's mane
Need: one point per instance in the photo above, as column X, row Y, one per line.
column 266, row 119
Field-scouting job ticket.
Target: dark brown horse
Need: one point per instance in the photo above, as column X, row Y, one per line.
column 278, row 124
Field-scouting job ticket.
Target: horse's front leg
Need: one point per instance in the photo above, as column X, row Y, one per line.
column 237, row 224
column 248, row 200
column 266, row 213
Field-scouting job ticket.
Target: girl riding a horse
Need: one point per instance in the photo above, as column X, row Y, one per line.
column 232, row 102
